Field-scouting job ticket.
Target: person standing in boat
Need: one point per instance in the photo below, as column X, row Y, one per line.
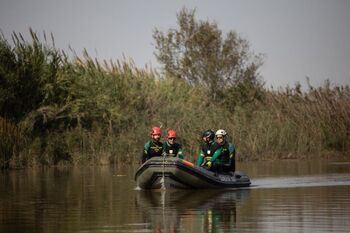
column 172, row 148
column 154, row 147
column 227, row 154
column 209, row 152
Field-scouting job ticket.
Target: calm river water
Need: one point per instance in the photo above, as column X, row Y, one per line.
column 287, row 196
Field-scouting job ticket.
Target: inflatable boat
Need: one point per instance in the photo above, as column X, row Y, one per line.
column 159, row 172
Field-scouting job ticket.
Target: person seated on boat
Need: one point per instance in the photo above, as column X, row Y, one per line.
column 228, row 151
column 209, row 152
column 172, row 148
column 154, row 147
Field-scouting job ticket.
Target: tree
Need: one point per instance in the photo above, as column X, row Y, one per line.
column 197, row 53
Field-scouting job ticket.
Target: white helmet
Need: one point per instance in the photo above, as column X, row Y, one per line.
column 220, row 132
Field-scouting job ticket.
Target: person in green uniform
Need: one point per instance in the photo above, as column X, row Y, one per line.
column 228, row 151
column 154, row 147
column 171, row 147
column 209, row 152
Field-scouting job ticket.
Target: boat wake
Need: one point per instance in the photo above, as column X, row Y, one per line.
column 304, row 181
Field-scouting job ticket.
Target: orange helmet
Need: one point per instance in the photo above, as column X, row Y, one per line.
column 156, row 130
column 171, row 134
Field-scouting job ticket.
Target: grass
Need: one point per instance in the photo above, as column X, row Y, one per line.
column 55, row 110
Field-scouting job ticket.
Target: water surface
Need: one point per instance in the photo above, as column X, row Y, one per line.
column 287, row 196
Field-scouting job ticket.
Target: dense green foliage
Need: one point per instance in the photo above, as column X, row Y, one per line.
column 54, row 110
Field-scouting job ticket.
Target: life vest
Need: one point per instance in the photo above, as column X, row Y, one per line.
column 172, row 149
column 209, row 149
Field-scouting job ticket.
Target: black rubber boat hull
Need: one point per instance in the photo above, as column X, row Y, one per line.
column 159, row 173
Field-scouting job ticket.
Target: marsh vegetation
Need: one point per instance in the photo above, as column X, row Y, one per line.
column 55, row 109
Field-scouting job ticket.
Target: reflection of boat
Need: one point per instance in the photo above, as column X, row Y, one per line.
column 191, row 199
column 210, row 211
column 161, row 172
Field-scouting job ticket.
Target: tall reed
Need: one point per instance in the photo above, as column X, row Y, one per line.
column 83, row 111
column 12, row 141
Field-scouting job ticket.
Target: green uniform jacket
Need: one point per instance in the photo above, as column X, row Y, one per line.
column 212, row 150
column 227, row 156
column 152, row 149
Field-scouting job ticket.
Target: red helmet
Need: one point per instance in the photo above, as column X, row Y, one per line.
column 171, row 134
column 156, row 130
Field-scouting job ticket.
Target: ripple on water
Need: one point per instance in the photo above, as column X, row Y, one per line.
column 304, row 181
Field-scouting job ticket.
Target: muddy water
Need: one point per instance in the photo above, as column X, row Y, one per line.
column 287, row 196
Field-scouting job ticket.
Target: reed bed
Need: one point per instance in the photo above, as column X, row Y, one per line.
column 11, row 143
column 55, row 110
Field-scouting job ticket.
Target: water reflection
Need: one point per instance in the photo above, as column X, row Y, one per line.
column 285, row 197
column 190, row 211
